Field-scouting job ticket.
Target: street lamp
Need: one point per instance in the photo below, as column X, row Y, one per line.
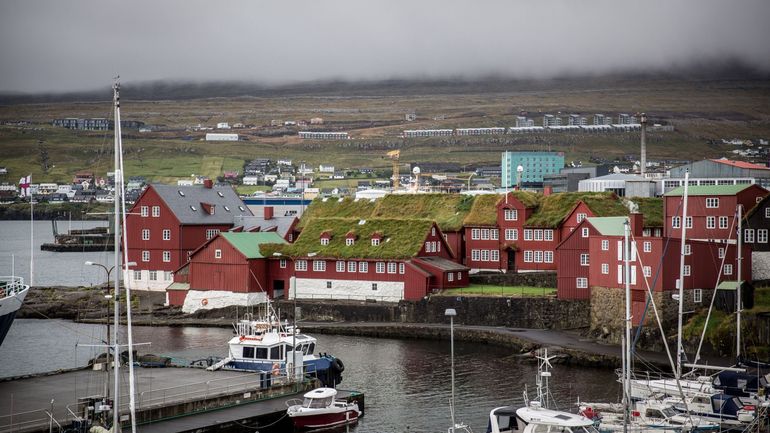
column 452, row 313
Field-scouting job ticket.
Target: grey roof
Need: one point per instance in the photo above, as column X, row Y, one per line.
column 281, row 224
column 619, row 176
column 226, row 201
column 441, row 263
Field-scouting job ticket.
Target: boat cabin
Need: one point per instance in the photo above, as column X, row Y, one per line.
column 318, row 398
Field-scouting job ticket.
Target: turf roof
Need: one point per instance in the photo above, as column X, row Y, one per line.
column 401, row 239
column 484, row 210
column 555, row 207
column 652, row 209
column 336, row 208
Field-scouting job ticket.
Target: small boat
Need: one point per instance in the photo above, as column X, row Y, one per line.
column 263, row 343
column 12, row 294
column 320, row 409
column 646, row 415
column 536, row 419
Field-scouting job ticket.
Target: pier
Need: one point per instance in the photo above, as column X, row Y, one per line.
column 173, row 399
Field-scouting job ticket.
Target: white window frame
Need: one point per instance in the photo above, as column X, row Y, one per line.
column 324, row 241
column 647, row 270
column 697, row 296
column 584, row 232
column 145, row 211
column 392, row 267
column 728, row 270
column 538, row 256
column 511, row 214
column 300, row 265
column 647, row 245
column 137, row 275
column 762, row 236
column 527, row 234
column 687, row 249
column 723, row 222
column 711, row 222
column 585, row 260
column 484, row 255
column 168, row 276
column 548, row 235
column 351, row 267
column 538, row 234
column 494, row 234
column 475, row 255
column 484, row 234
column 350, row 241
column 145, row 256
column 676, row 222
column 767, row 212
column 363, row 267
column 605, row 245
column 450, row 276
column 548, row 256
column 686, row 271
column 401, row 268
column 217, row 253
column 605, row 268
column 721, row 253
column 153, row 275
column 319, row 265
column 581, row 282
column 210, row 233
column 379, row 267
column 375, row 242
column 282, row 263
column 712, row 202
column 688, row 222
column 167, row 256
column 340, row 266
column 510, row 235
column 475, row 234
column 494, row 255
column 156, row 211
column 748, row 236
column 145, row 234
column 528, row 256
column 581, row 216
column 166, row 234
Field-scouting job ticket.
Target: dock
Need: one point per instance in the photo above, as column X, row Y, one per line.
column 167, row 400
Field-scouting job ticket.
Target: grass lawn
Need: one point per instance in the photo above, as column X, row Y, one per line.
column 491, row 290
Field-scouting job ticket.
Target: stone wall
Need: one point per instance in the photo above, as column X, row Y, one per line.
column 760, row 265
column 531, row 279
column 539, row 313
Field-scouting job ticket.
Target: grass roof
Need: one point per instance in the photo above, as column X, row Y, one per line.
column 401, row 239
column 484, row 210
column 555, row 207
column 447, row 210
column 336, row 208
column 652, row 209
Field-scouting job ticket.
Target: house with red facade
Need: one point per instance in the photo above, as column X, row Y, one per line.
column 168, row 222
column 711, row 209
column 756, row 226
column 380, row 259
column 226, row 270
column 591, row 266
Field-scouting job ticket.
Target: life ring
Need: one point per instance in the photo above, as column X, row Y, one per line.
column 276, row 369
column 204, row 302
column 337, row 365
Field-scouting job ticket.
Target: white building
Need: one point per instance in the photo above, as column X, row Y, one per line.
column 223, row 125
column 480, row 131
column 624, row 185
column 550, row 120
column 413, row 133
column 326, row 168
column 213, row 136
column 323, row 135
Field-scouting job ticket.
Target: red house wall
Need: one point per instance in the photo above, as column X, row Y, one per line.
column 568, row 264
column 231, row 272
column 135, row 223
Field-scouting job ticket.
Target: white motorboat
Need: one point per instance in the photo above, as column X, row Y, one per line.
column 646, row 415
column 321, row 409
column 536, row 419
column 12, row 294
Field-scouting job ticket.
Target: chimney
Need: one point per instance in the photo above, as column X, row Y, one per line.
column 637, row 224
column 208, row 183
column 268, row 212
column 547, row 190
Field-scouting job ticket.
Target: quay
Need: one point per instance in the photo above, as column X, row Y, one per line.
column 175, row 399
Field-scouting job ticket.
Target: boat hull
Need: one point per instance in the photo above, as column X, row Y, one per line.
column 323, row 420
column 9, row 305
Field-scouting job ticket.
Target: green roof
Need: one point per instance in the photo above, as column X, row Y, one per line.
column 728, row 285
column 555, row 207
column 609, row 226
column 709, row 190
column 248, row 243
column 652, row 209
column 401, row 239
column 337, row 208
column 484, row 210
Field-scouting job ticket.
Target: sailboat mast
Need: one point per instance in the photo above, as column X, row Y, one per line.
column 31, row 241
column 118, row 181
column 682, row 250
column 739, row 306
column 627, row 335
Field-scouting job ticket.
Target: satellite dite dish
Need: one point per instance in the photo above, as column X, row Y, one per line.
column 416, row 170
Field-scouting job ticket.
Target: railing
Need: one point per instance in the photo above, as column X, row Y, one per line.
column 23, row 421
column 10, row 285
column 347, row 297
column 210, row 388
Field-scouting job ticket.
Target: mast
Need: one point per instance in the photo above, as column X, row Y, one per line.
column 739, row 306
column 679, row 348
column 118, row 180
column 627, row 335
column 31, row 240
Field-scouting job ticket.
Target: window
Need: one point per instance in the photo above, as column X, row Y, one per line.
column 494, row 234
column 351, row 266
column 145, row 211
column 762, row 236
column 484, row 255
column 712, row 202
column 584, row 232
column 300, row 265
column 375, row 242
column 340, row 266
column 475, row 234
column 401, row 268
column 548, row 256
column 697, row 295
column 721, row 253
column 363, row 267
column 620, row 274
column 433, row 231
column 328, row 284
column 581, row 217
column 728, row 270
column 605, row 268
column 138, row 275
column 620, row 250
column 646, row 233
column 723, row 222
column 584, row 260
column 686, row 270
column 427, row 247
column 582, row 282
column 494, row 255
column 484, row 234
column 605, row 245
column 767, row 212
column 156, row 211
column 511, row 214
column 145, row 234
column 459, row 276
column 380, row 267
column 153, row 275
column 711, row 222
column 374, row 286
column 647, row 245
column 687, row 249
column 528, row 256
column 527, row 234
column 538, row 235
column 688, row 222
column 548, row 235
column 647, row 271
column 282, row 263
column 450, row 276
column 145, row 256
column 319, row 265
column 324, row 241
column 217, row 254
column 511, row 234
column 350, row 241
column 166, row 234
column 475, row 255
column 676, row 222
column 166, row 256
column 167, row 276
column 748, row 236
column 210, row 233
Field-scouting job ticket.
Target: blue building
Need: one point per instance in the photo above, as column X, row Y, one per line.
column 535, row 165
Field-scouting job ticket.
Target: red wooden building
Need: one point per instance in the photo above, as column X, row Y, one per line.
column 380, row 259
column 167, row 223
column 711, row 209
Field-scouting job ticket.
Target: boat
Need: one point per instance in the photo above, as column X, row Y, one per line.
column 80, row 240
column 321, row 409
column 652, row 415
column 263, row 343
column 12, row 294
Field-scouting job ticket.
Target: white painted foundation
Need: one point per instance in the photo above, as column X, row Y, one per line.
column 387, row 291
column 211, row 299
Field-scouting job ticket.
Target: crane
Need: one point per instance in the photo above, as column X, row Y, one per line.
column 395, row 155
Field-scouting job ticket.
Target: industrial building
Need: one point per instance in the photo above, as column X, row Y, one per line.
column 213, row 136
column 323, row 135
column 413, row 133
column 534, row 166
column 724, row 169
column 624, row 185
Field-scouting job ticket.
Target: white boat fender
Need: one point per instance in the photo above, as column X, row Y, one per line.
column 99, row 429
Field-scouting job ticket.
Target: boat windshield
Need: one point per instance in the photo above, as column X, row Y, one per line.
column 669, row 412
column 317, row 402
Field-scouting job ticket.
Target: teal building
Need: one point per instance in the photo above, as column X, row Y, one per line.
column 535, row 165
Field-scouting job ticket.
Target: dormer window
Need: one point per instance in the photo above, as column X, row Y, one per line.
column 181, row 193
column 350, row 241
column 227, row 209
column 375, row 242
column 220, row 193
column 241, row 208
column 324, row 241
column 193, row 208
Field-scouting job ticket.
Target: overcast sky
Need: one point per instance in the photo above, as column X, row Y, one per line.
column 58, row 45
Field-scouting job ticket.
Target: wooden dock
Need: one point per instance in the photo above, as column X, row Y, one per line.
column 167, row 400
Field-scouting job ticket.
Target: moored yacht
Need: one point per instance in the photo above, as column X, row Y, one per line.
column 536, row 419
column 320, row 409
column 12, row 294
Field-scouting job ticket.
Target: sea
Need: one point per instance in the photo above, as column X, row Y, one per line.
column 407, row 382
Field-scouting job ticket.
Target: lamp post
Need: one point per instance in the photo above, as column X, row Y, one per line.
column 452, row 313
column 107, row 296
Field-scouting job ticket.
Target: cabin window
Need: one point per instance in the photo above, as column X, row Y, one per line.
column 584, row 261
column 676, row 222
column 686, row 270
column 548, row 256
column 475, row 234
column 723, row 222
column 647, row 245
column 528, row 256
column 538, row 235
column 654, row 414
column 748, row 236
column 548, row 235
column 260, row 352
column 582, row 283
column 300, row 265
column 647, row 271
column 688, row 222
column 275, row 352
column 351, row 266
column 380, row 267
column 711, row 222
column 605, row 245
column 310, row 349
column 248, row 352
column 605, row 268
column 391, row 267
column 527, row 234
column 319, row 265
column 728, row 270
column 762, row 236
column 145, row 256
column 494, row 255
column 511, row 214
column 363, row 267
column 340, row 266
column 511, row 234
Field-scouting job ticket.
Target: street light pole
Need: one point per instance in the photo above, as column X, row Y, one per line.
column 107, row 296
column 452, row 313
